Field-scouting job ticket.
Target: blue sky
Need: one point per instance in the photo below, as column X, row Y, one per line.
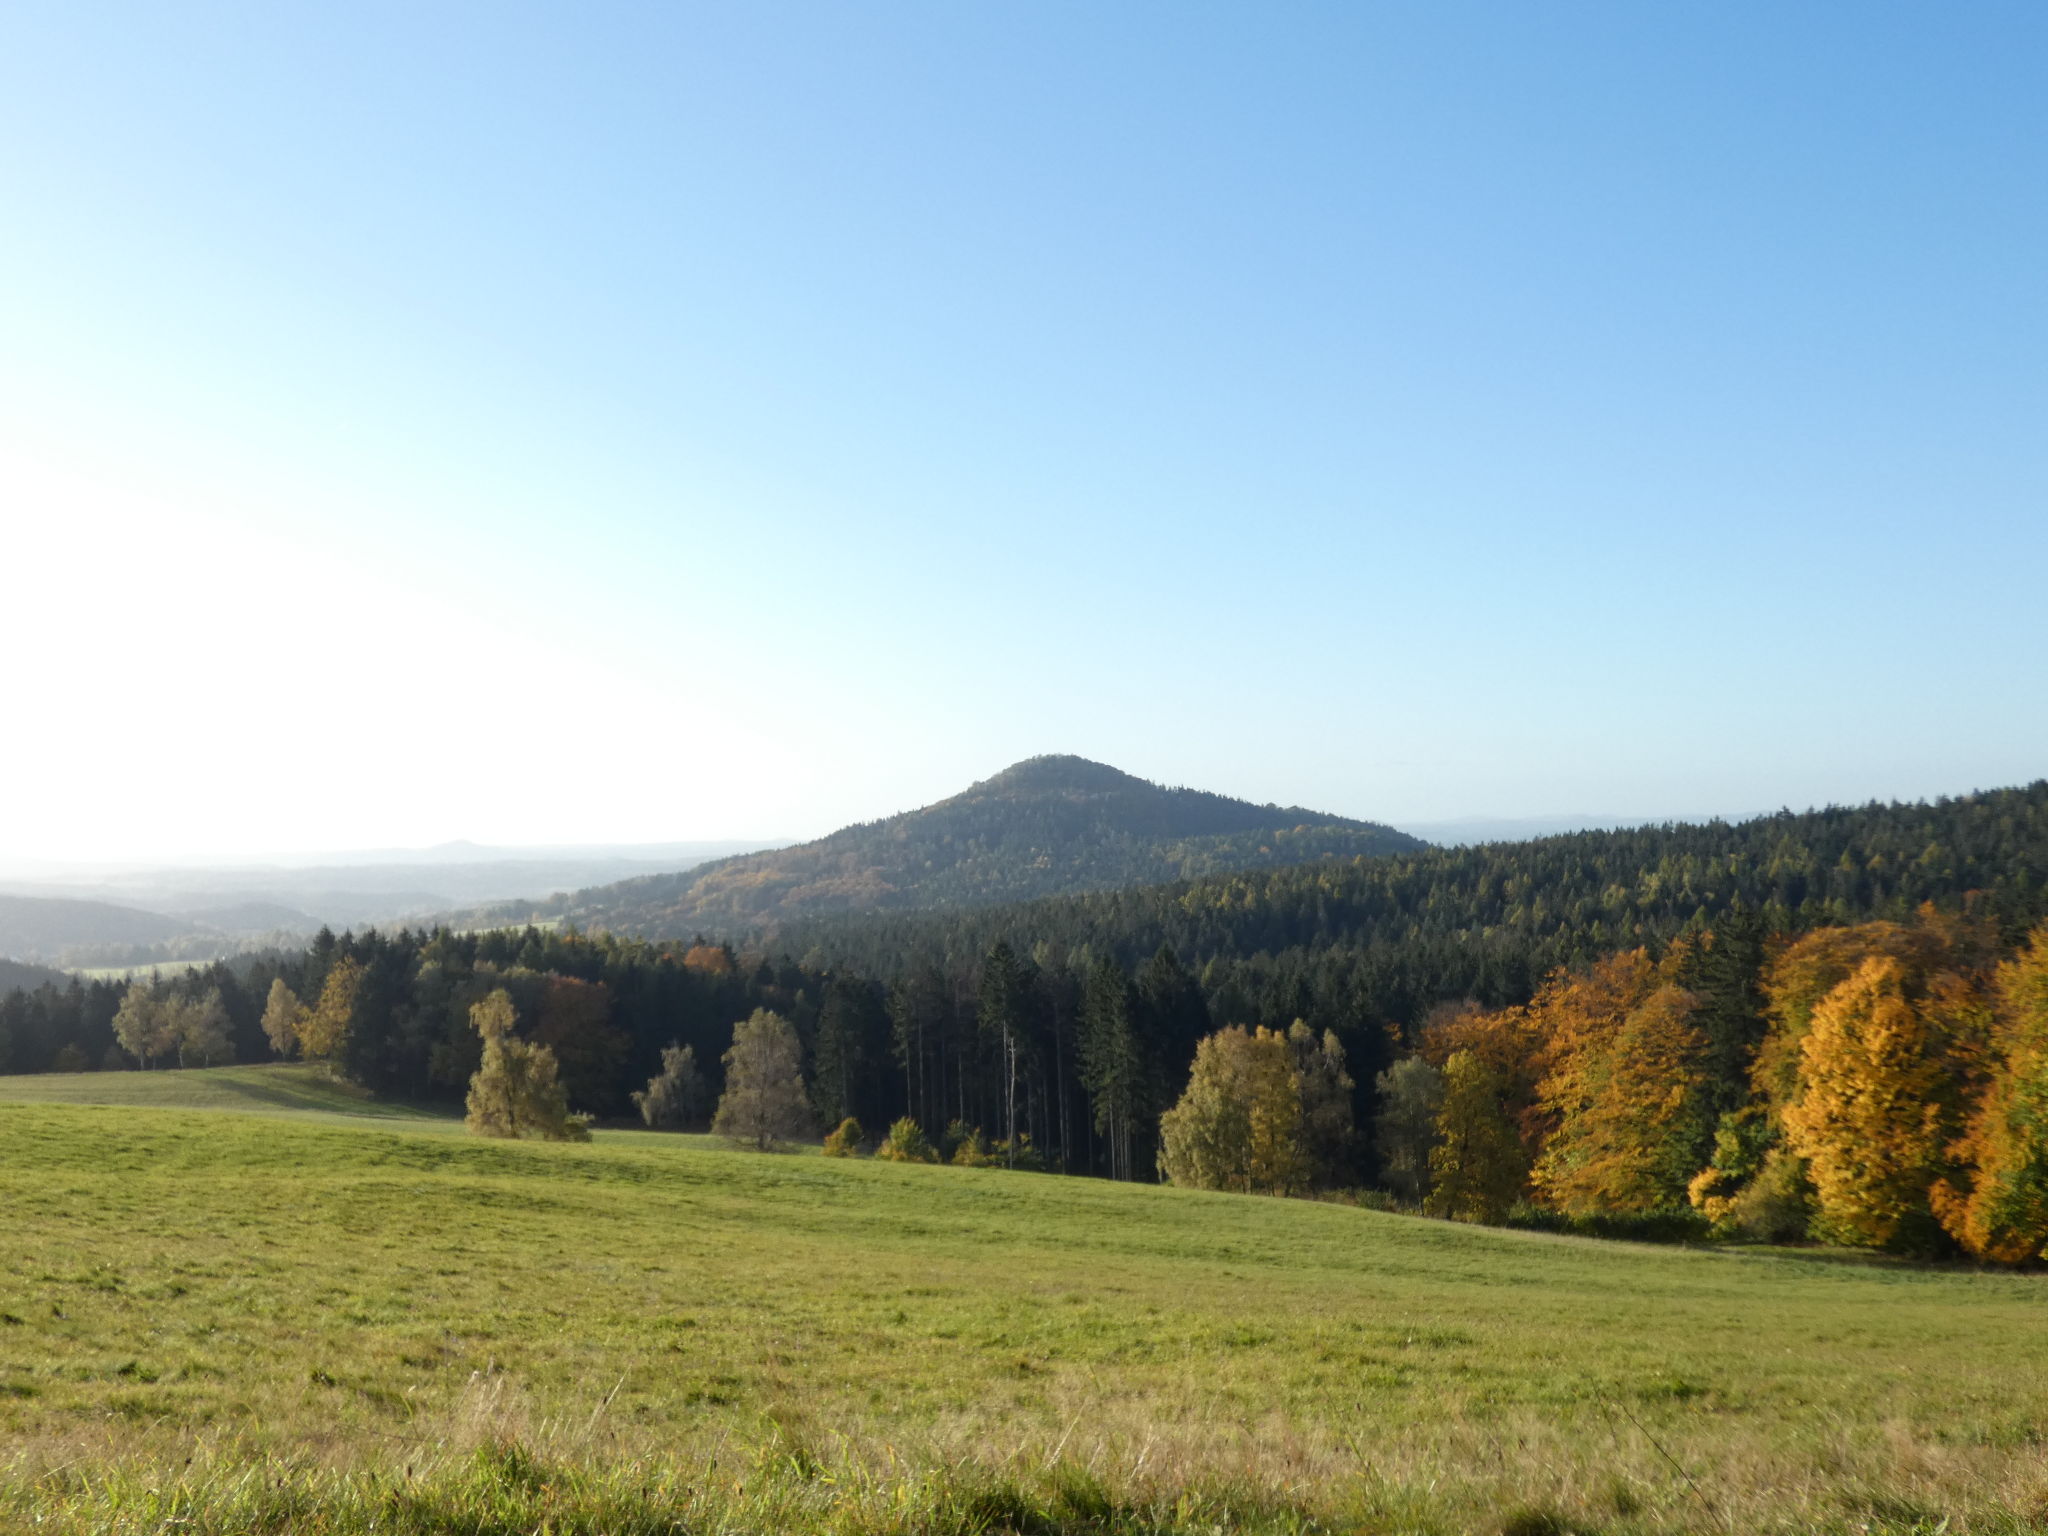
column 610, row 422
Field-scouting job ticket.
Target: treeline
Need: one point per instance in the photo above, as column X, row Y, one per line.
column 1881, row 1084
column 1386, row 939
column 1495, row 1016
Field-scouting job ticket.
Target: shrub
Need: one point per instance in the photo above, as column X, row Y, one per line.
column 905, row 1143
column 845, row 1142
column 975, row 1151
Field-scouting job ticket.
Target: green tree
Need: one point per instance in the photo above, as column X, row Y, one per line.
column 840, row 1056
column 1325, row 1087
column 1477, row 1167
column 1112, row 1066
column 143, row 1023
column 1239, row 1124
column 199, row 1028
column 845, row 1141
column 764, row 1101
column 1003, row 1017
column 1404, row 1132
column 674, row 1096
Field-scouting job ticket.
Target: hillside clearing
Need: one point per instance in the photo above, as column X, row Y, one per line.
column 299, row 1301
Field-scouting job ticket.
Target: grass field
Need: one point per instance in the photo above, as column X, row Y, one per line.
column 330, row 1316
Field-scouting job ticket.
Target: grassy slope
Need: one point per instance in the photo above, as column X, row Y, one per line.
column 380, row 1295
column 296, row 1089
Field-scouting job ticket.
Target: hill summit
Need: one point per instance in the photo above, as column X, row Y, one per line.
column 1042, row 827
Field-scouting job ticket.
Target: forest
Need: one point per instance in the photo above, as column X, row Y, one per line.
column 1666, row 1030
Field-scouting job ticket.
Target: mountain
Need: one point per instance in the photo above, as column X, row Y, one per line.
column 48, row 928
column 1046, row 826
column 16, row 977
column 1490, row 921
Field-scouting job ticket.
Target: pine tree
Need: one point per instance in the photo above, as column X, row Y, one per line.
column 841, row 1048
column 1112, row 1070
column 764, row 1101
column 1002, row 1017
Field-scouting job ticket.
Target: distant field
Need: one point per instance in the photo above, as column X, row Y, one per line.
column 155, row 967
column 371, row 1324
column 295, row 1089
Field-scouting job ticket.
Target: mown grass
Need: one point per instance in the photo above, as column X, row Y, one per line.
column 297, row 1089
column 296, row 1321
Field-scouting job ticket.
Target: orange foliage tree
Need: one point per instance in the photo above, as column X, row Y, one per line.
column 1996, row 1204
column 1632, row 1112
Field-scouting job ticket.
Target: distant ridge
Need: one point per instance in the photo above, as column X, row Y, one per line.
column 1045, row 826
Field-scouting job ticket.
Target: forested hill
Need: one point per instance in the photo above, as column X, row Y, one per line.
column 1043, row 827
column 1488, row 921
column 47, row 928
column 14, row 976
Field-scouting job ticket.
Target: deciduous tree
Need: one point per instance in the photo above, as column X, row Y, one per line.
column 1404, row 1131
column 764, row 1101
column 1477, row 1167
column 143, row 1023
column 517, row 1091
column 1868, row 1115
column 323, row 1032
column 282, row 1013
column 1631, row 1111
column 1239, row 1124
column 674, row 1096
column 1996, row 1205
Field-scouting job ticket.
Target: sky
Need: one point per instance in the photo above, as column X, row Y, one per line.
column 621, row 422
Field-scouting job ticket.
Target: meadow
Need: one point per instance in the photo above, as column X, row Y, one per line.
column 248, row 1299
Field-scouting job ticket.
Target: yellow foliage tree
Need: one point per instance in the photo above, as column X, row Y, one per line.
column 1996, row 1206
column 1812, row 966
column 282, row 1015
column 1868, row 1113
column 1239, row 1124
column 517, row 1091
column 323, row 1030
